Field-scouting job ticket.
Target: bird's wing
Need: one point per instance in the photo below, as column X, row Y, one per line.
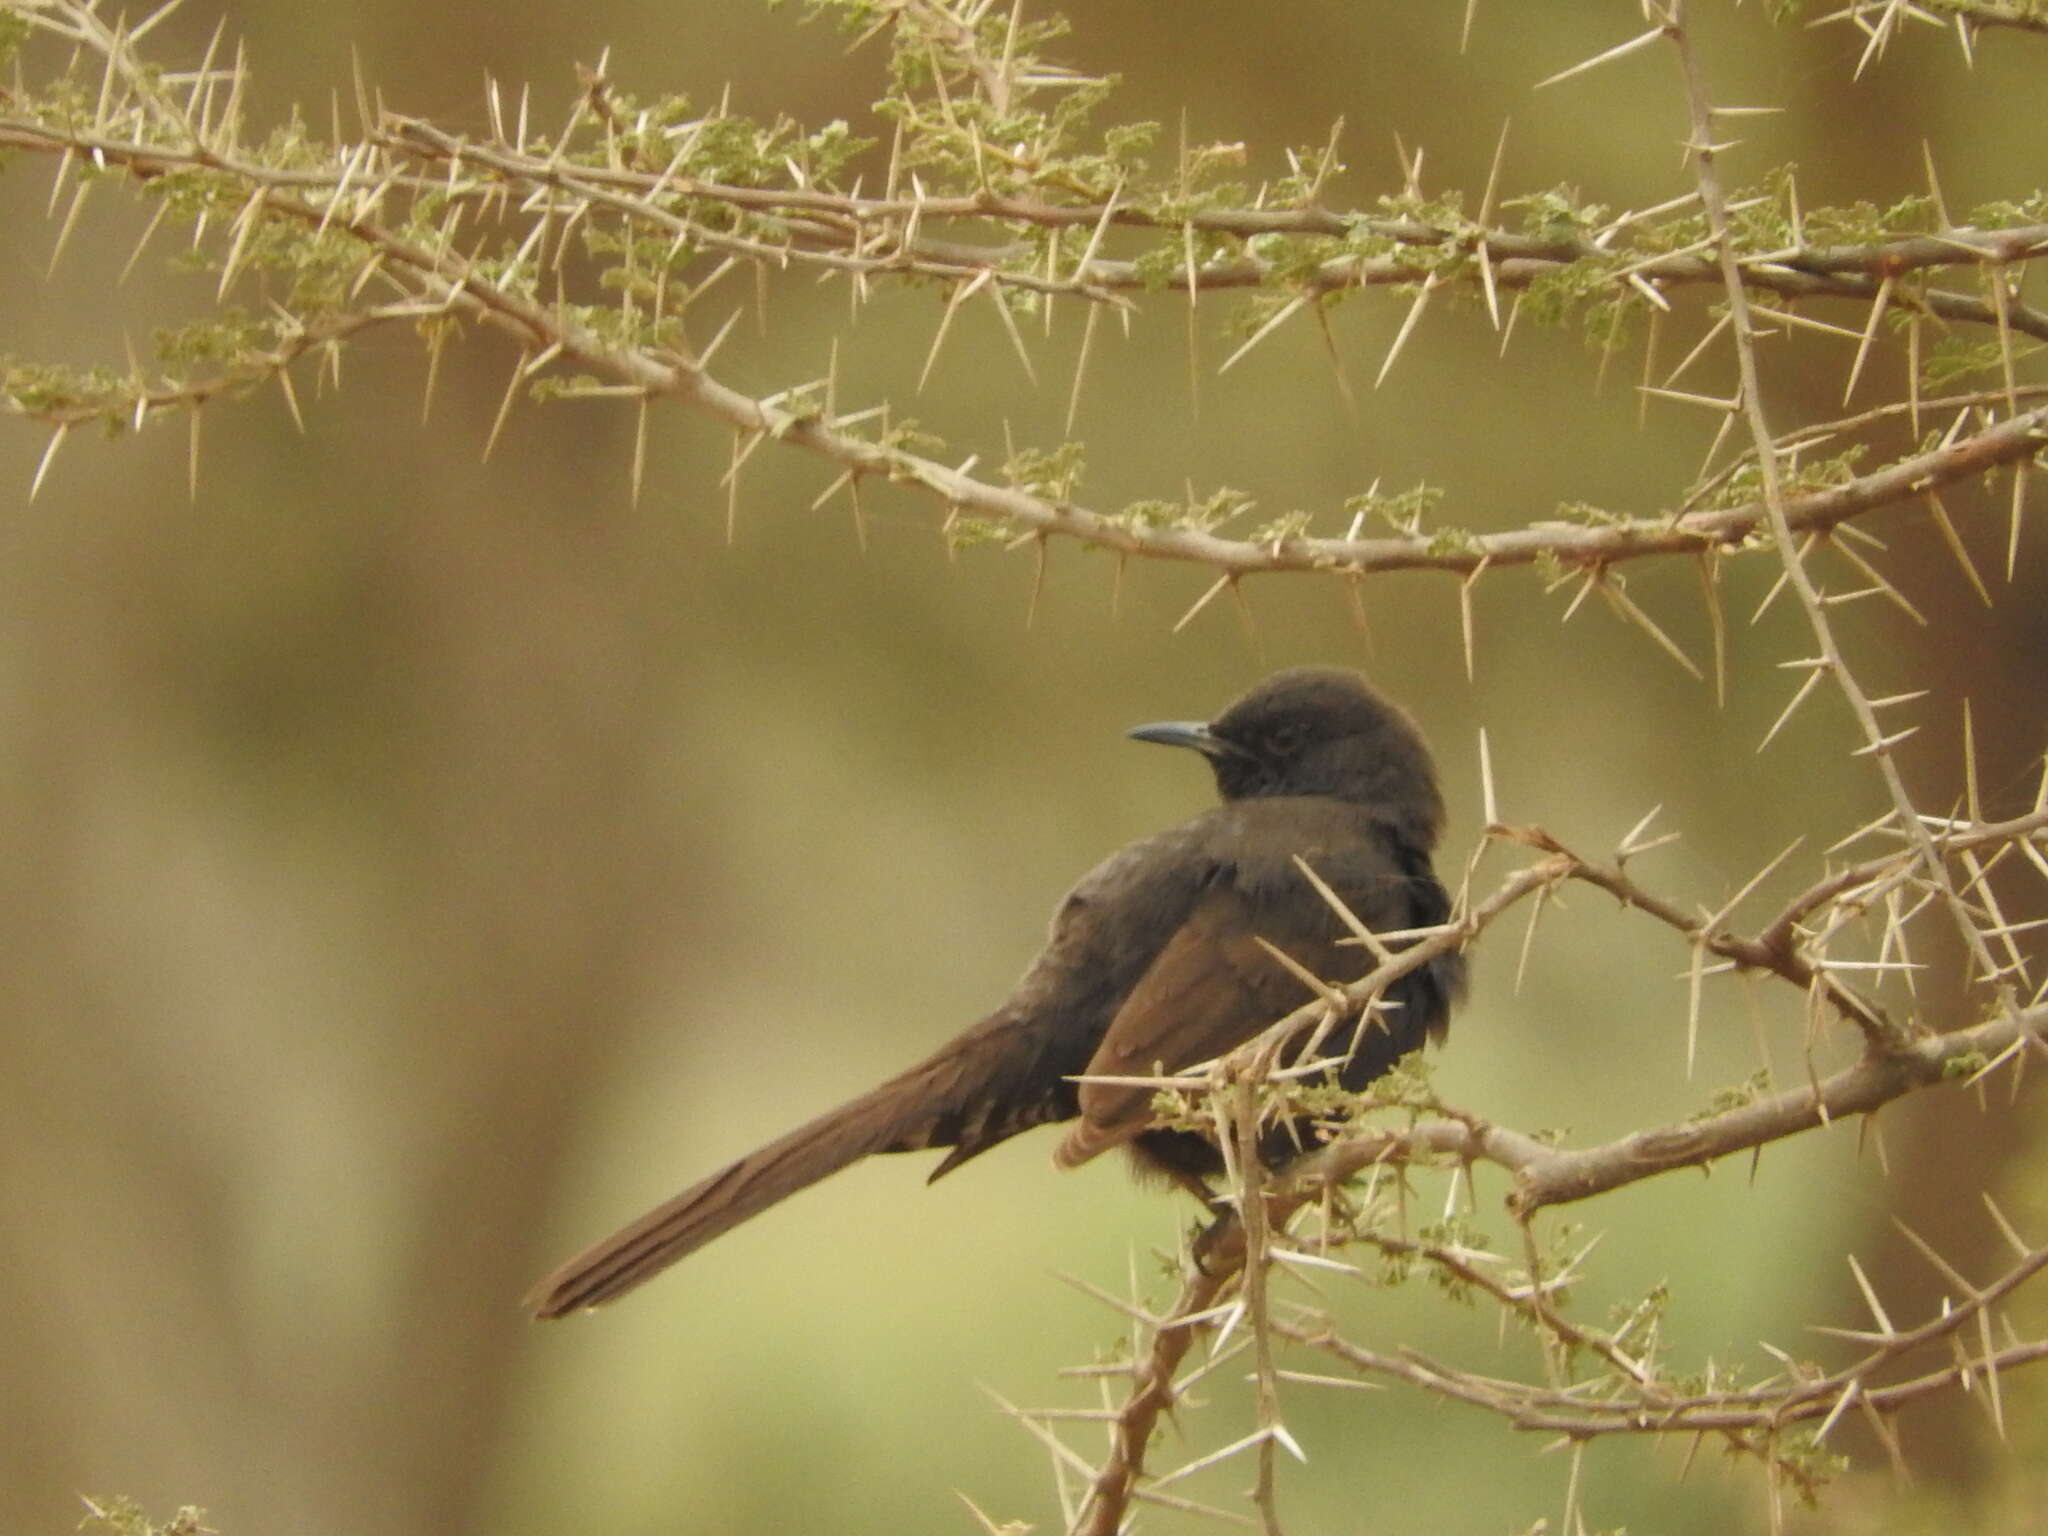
column 1014, row 1070
column 1212, row 987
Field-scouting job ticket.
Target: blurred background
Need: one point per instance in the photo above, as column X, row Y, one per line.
column 415, row 866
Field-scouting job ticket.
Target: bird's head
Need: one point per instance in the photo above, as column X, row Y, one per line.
column 1317, row 731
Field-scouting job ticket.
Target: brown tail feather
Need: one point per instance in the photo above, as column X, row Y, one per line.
column 960, row 1097
column 738, row 1192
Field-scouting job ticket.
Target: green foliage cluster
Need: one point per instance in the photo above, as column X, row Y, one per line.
column 1403, row 511
column 125, row 1517
column 1203, row 514
column 1052, row 474
column 1744, row 484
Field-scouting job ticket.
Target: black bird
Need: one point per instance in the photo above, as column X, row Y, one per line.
column 1153, row 963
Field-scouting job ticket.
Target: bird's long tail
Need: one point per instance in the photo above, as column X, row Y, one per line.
column 950, row 1099
column 709, row 1209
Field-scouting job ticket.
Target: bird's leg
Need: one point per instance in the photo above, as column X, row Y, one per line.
column 1222, row 1236
column 1195, row 1185
column 1221, row 1212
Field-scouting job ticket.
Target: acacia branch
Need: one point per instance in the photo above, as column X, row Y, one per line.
column 1633, row 1399
column 1878, row 742
column 1152, row 1393
column 1638, row 1401
column 1764, row 1410
column 143, row 131
column 1895, row 1062
column 1546, row 1175
column 445, row 281
column 1897, row 1058
column 1873, row 15
column 1559, row 1177
column 871, row 235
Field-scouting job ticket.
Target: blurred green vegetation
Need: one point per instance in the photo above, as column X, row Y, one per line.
column 416, row 865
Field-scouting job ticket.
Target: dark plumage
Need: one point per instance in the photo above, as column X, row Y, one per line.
column 1153, row 963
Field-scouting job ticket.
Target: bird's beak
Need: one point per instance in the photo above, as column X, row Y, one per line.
column 1184, row 733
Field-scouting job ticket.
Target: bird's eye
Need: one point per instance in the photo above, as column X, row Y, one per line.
column 1285, row 740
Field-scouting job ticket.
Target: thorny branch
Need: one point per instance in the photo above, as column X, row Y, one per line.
column 1879, row 19
column 1767, row 1408
column 409, row 194
column 1628, row 1397
column 1897, row 1059
column 853, row 234
column 1831, row 662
